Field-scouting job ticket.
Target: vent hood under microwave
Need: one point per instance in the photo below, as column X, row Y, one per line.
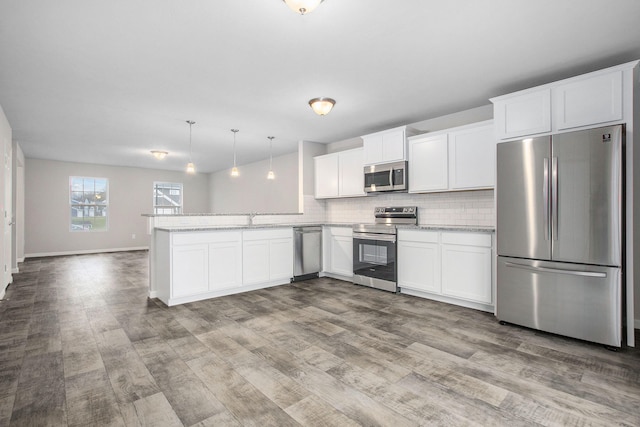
column 386, row 177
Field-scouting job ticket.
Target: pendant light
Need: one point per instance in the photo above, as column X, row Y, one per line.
column 322, row 105
column 271, row 175
column 234, row 169
column 191, row 168
column 303, row 6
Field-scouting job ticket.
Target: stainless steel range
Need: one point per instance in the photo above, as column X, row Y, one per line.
column 374, row 247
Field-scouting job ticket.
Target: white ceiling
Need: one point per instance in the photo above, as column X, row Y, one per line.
column 106, row 81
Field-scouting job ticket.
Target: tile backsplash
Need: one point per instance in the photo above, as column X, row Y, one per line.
column 450, row 208
column 470, row 208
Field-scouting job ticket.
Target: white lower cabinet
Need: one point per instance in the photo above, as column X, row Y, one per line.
column 267, row 255
column 419, row 260
column 466, row 266
column 454, row 267
column 190, row 274
column 338, row 251
column 191, row 266
column 225, row 264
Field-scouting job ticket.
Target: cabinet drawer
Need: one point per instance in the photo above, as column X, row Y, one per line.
column 341, row 231
column 279, row 233
column 205, row 237
column 467, row 239
column 424, row 236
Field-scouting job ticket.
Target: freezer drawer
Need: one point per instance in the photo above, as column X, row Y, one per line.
column 574, row 300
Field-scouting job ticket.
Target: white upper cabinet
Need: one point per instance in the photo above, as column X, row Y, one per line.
column 455, row 159
column 589, row 101
column 339, row 174
column 351, row 173
column 428, row 164
column 472, row 158
column 326, row 176
column 525, row 114
column 386, row 146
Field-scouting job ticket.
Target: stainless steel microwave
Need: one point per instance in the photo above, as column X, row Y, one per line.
column 386, row 177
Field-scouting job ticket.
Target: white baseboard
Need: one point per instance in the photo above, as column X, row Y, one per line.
column 84, row 252
column 21, row 259
column 2, row 292
column 15, row 270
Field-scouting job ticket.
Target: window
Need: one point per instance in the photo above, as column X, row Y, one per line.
column 167, row 198
column 89, row 200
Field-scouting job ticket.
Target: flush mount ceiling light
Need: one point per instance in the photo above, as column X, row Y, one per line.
column 234, row 169
column 191, row 168
column 158, row 154
column 322, row 106
column 271, row 175
column 302, row 6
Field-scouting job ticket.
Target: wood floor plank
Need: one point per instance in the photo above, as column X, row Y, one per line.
column 188, row 396
column 91, row 401
column 241, row 398
column 155, row 410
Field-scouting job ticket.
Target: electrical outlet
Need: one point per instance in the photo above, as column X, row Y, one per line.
column 133, row 236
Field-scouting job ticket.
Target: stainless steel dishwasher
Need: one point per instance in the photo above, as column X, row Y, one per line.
column 307, row 241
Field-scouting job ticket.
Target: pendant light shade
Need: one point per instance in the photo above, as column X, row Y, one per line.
column 303, row 6
column 322, row 106
column 271, row 175
column 234, row 169
column 191, row 168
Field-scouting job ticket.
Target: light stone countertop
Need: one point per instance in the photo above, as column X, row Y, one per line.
column 192, row 228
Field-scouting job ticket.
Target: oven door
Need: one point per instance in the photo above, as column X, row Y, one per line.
column 374, row 260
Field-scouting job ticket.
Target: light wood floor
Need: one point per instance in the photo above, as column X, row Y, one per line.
column 80, row 344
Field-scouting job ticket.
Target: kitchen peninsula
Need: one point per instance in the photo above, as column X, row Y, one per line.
column 200, row 256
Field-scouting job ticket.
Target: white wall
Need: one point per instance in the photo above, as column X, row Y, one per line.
column 251, row 191
column 5, row 143
column 47, row 212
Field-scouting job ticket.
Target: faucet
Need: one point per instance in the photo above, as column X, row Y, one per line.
column 251, row 216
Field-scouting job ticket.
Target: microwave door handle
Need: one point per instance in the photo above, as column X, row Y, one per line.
column 391, row 183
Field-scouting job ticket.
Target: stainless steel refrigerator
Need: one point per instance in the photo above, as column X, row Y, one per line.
column 559, row 233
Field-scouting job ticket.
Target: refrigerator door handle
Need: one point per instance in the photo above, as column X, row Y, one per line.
column 557, row 270
column 554, row 198
column 545, row 199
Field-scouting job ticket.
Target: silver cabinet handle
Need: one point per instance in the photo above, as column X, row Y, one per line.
column 557, row 270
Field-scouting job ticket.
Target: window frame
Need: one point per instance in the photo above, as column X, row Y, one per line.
column 168, row 185
column 104, row 206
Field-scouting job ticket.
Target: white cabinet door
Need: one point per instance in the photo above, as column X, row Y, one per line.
column 594, row 100
column 225, row 265
column 393, row 145
column 419, row 264
column 372, row 149
column 255, row 261
column 466, row 266
column 386, row 146
column 472, row 158
column 342, row 255
column 326, row 176
column 351, row 173
column 428, row 170
column 281, row 259
column 190, row 270
column 524, row 114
